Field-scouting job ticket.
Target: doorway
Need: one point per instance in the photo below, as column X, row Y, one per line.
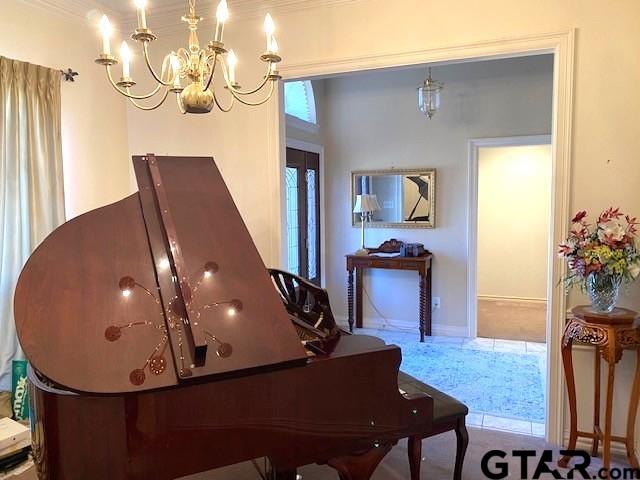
column 562, row 46
column 302, row 187
column 510, row 220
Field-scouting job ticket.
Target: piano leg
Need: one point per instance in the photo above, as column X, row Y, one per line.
column 283, row 475
column 414, row 449
column 359, row 467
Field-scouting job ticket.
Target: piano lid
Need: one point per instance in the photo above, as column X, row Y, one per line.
column 161, row 287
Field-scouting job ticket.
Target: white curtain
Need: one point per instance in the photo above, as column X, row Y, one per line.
column 31, row 182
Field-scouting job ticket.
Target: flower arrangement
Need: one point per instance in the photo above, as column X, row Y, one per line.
column 601, row 254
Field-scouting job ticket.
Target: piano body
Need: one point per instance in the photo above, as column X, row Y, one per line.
column 160, row 348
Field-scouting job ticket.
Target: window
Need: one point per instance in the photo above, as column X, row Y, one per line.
column 299, row 101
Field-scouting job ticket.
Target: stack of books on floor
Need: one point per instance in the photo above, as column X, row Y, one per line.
column 15, row 444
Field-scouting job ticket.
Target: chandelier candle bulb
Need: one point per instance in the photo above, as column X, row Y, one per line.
column 232, row 60
column 105, row 29
column 269, row 28
column 142, row 17
column 222, row 15
column 125, row 55
column 274, row 46
column 175, row 70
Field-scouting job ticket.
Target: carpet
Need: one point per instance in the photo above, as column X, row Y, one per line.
column 504, row 384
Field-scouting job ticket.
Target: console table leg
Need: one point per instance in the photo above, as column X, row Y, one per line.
column 422, row 298
column 350, row 299
column 631, row 416
column 596, row 404
column 359, row 287
column 567, row 362
column 428, row 302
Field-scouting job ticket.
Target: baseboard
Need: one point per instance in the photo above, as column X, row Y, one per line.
column 497, row 298
column 585, row 444
column 408, row 326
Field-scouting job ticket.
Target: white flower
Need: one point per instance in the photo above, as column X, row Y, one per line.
column 613, row 230
column 634, row 269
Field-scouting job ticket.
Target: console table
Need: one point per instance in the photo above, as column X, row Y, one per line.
column 610, row 334
column 420, row 264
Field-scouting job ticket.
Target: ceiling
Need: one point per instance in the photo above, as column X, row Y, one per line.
column 127, row 6
column 165, row 12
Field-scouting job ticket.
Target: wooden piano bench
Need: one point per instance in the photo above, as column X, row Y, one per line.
column 448, row 414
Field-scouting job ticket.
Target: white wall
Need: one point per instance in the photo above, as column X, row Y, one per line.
column 94, row 135
column 514, row 206
column 372, row 122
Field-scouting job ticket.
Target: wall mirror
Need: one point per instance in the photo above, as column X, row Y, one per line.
column 405, row 197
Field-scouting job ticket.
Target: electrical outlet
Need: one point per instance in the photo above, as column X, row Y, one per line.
column 435, row 303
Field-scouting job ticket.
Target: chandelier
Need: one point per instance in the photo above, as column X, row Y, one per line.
column 189, row 72
column 429, row 96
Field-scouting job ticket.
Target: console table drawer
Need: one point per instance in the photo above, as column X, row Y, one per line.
column 377, row 263
column 413, row 265
column 385, row 263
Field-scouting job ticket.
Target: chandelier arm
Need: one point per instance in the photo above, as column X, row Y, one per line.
column 152, row 107
column 185, row 55
column 213, row 69
column 253, row 104
column 219, row 105
column 127, row 92
column 145, row 48
column 244, row 92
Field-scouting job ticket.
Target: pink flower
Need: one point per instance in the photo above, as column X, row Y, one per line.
column 579, row 216
column 609, row 214
column 564, row 250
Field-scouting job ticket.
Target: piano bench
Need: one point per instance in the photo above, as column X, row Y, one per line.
column 448, row 414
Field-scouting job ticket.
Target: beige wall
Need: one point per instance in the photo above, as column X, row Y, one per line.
column 95, row 153
column 372, row 122
column 514, row 205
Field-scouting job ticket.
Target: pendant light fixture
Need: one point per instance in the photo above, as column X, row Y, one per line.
column 429, row 96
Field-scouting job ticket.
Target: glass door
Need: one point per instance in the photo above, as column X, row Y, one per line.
column 302, row 184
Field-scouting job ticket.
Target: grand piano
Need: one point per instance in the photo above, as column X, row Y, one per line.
column 160, row 348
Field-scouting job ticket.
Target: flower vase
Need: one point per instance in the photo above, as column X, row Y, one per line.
column 603, row 291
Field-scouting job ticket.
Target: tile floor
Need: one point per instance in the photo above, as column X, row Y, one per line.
column 477, row 419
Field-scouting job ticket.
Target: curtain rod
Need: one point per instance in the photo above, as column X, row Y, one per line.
column 68, row 75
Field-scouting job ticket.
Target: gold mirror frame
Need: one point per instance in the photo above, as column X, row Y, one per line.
column 403, row 172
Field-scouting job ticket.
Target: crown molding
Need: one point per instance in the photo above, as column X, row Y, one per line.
column 166, row 19
column 75, row 10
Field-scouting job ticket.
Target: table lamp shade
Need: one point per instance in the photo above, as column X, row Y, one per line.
column 366, row 203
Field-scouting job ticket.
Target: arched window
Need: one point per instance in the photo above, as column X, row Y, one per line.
column 299, row 101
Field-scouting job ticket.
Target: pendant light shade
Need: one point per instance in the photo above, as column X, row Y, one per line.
column 429, row 96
